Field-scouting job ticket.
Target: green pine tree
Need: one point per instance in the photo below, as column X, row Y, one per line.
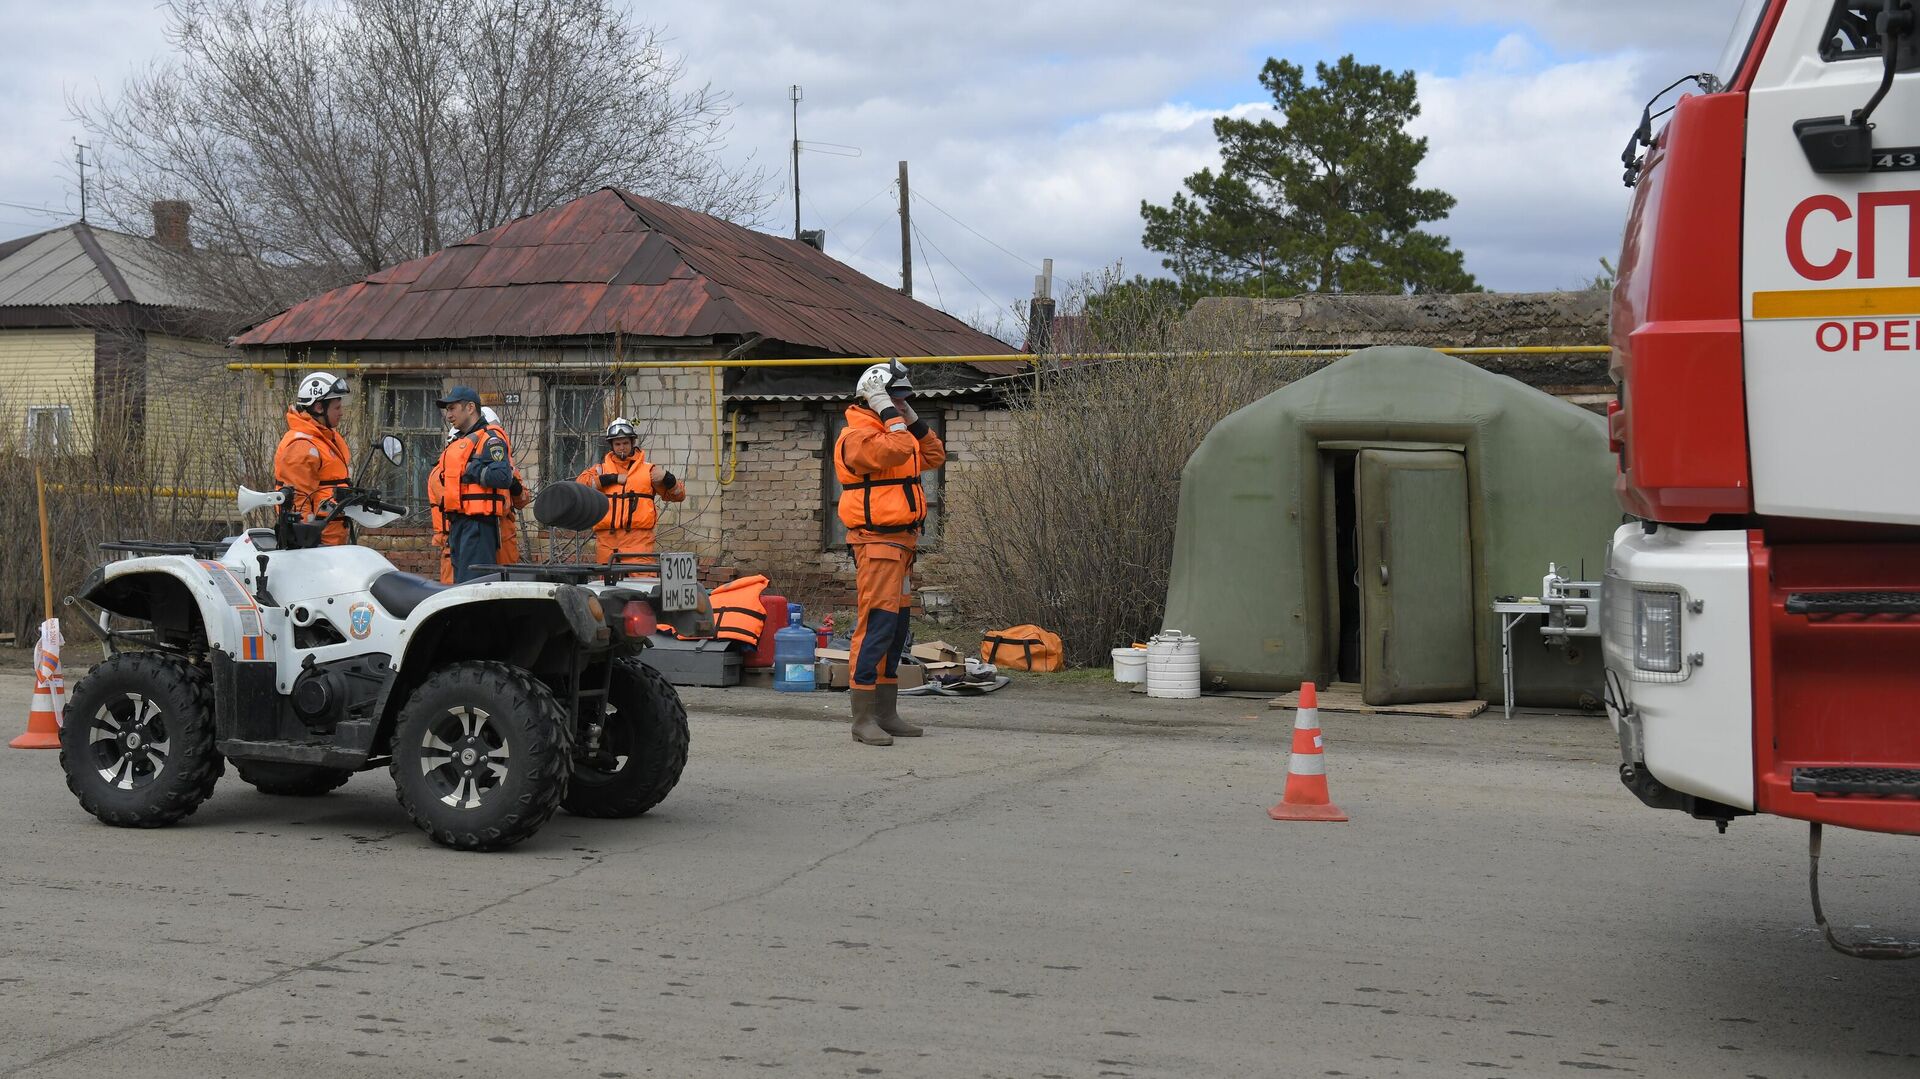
column 1323, row 201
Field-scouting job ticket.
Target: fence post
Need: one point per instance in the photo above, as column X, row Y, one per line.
column 46, row 556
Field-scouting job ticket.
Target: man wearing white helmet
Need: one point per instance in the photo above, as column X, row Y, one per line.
column 631, row 485
column 312, row 457
column 879, row 459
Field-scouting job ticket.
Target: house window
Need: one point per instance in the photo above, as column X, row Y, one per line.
column 49, row 430
column 931, row 482
column 575, row 420
column 406, row 410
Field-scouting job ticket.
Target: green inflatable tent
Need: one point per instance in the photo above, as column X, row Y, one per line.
column 1356, row 526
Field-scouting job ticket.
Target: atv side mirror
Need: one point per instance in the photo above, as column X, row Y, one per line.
column 392, row 448
column 259, row 500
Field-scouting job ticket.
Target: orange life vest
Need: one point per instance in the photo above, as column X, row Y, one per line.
column 737, row 612
column 888, row 501
column 306, row 439
column 630, row 504
column 457, row 495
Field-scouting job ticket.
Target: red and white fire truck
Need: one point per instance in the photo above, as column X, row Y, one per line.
column 1761, row 618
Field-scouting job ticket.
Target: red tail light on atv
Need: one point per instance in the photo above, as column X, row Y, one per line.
column 636, row 619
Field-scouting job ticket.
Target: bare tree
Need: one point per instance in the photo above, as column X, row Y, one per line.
column 319, row 142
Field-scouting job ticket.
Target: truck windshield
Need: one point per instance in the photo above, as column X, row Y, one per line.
column 1739, row 41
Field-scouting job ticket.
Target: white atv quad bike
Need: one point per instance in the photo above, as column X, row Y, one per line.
column 492, row 703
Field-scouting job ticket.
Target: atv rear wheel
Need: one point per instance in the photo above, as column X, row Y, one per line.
column 137, row 744
column 291, row 780
column 642, row 747
column 480, row 757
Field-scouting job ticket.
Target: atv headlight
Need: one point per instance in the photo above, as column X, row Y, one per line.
column 1656, row 631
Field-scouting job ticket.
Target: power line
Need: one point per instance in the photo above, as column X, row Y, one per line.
column 870, row 236
column 923, row 198
column 991, row 302
column 857, row 209
column 942, row 300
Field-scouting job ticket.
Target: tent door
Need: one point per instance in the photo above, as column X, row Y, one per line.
column 1416, row 576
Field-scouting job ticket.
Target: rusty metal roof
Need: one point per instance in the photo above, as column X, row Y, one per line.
column 615, row 262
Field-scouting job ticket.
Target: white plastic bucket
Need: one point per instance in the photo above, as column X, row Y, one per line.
column 1173, row 666
column 1130, row 665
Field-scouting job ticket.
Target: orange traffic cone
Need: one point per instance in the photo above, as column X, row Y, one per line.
column 43, row 719
column 1306, row 794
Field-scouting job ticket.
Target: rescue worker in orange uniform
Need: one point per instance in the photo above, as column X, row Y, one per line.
column 312, row 457
column 630, row 485
column 509, row 526
column 477, row 484
column 879, row 459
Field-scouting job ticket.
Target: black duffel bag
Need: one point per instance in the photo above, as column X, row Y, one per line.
column 573, row 506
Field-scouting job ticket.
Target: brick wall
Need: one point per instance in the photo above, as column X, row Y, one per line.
column 776, row 507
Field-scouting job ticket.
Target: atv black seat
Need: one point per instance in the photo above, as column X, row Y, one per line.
column 400, row 592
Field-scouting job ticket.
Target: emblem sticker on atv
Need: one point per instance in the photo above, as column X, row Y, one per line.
column 360, row 620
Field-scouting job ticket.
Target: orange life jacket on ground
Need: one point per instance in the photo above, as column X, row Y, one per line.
column 889, row 501
column 312, row 459
column 738, row 614
column 457, row 495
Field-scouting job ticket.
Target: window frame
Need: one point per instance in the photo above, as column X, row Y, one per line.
column 423, row 445
column 61, row 442
column 554, row 462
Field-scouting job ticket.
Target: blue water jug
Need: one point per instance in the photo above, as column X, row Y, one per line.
column 793, row 655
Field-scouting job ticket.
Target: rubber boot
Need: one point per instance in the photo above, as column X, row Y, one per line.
column 886, row 705
column 866, row 729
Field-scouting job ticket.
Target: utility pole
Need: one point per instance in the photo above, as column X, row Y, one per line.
column 906, row 237
column 80, row 155
column 794, row 95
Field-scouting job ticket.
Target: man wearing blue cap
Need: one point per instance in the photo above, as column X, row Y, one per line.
column 476, row 484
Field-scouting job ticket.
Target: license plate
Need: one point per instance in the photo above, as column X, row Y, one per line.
column 679, row 582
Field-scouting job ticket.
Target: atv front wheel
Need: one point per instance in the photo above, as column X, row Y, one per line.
column 291, row 780
column 642, row 747
column 137, row 743
column 480, row 756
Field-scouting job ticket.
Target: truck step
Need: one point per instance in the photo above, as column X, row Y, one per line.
column 1894, row 603
column 1894, row 781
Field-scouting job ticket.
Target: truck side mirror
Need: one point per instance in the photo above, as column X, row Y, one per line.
column 1844, row 144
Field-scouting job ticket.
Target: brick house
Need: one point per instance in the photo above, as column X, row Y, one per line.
column 552, row 318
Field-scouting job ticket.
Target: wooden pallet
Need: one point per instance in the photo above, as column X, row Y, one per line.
column 1345, row 697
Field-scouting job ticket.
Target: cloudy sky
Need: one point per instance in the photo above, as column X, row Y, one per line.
column 1035, row 130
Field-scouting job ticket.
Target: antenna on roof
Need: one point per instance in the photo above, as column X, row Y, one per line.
column 80, row 156
column 794, row 95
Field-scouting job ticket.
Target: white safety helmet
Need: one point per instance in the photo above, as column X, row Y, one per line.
column 319, row 387
column 621, row 427
column 899, row 382
column 488, row 414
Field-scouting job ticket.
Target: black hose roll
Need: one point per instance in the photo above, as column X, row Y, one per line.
column 569, row 505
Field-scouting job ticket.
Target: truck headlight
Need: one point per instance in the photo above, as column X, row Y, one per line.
column 1656, row 631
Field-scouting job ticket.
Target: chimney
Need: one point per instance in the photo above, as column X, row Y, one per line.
column 170, row 224
column 814, row 238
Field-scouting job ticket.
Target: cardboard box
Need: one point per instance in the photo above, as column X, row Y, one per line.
column 936, row 652
column 840, row 654
column 830, row 674
column 912, row 676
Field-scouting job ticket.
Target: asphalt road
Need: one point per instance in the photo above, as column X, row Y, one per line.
column 998, row 899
